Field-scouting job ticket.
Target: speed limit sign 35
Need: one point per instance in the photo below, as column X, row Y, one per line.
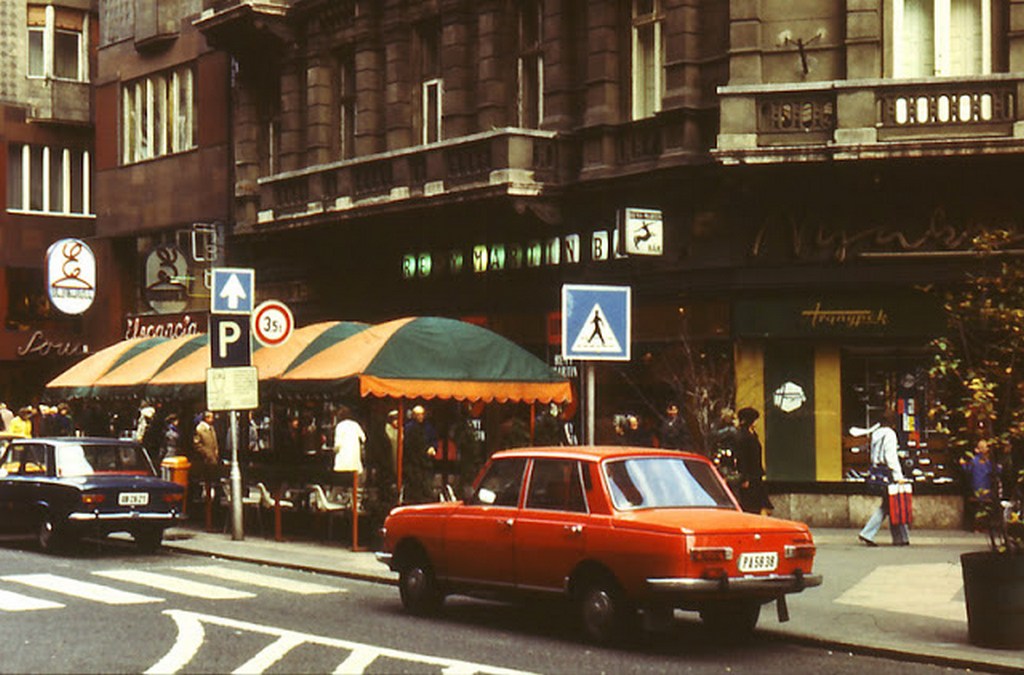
column 272, row 323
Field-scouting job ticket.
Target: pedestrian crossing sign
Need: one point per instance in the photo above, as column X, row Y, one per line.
column 596, row 322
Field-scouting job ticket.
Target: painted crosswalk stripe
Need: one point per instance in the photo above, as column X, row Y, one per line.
column 80, row 589
column 16, row 602
column 261, row 580
column 173, row 584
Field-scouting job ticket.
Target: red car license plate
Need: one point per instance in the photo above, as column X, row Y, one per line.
column 758, row 562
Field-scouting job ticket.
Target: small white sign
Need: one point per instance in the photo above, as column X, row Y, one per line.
column 232, row 388
column 643, row 231
column 71, row 275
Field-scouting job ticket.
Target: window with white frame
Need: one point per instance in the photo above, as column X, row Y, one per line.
column 432, row 85
column 531, row 64
column 47, row 179
column 935, row 38
column 648, row 58
column 158, row 115
column 57, row 43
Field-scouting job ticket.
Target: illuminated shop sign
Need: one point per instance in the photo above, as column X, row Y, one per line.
column 642, row 231
column 166, row 277
column 71, row 275
column 164, row 325
column 846, row 318
column 40, row 344
column 484, row 258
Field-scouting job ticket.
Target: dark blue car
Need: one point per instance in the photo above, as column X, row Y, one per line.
column 62, row 489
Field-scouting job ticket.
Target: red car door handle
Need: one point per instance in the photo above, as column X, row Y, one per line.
column 507, row 522
column 574, row 529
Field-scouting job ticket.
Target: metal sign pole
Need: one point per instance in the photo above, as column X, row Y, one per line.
column 590, row 402
column 237, row 531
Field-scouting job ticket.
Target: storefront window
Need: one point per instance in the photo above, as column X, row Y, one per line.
column 871, row 383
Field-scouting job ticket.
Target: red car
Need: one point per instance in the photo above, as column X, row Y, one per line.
column 614, row 530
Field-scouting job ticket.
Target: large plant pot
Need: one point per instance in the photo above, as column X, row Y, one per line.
column 994, row 589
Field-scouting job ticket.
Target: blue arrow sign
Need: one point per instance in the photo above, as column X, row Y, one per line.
column 596, row 322
column 232, row 291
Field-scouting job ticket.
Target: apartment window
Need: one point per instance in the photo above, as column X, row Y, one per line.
column 56, row 43
column 346, row 106
column 158, row 115
column 269, row 113
column 531, row 64
column 432, row 85
column 941, row 38
column 45, row 179
column 648, row 58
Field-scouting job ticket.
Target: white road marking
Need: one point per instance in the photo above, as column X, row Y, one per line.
column 262, row 580
column 81, row 589
column 16, row 602
column 923, row 590
column 170, row 584
column 191, row 634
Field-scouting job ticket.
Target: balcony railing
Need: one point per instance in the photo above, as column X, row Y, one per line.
column 850, row 118
column 814, row 112
column 516, row 161
column 60, row 101
column 967, row 103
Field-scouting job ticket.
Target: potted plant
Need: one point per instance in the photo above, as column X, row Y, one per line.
column 979, row 372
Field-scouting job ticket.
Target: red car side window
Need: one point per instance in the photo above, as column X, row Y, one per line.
column 555, row 486
column 501, row 484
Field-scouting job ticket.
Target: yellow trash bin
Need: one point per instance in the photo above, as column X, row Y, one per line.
column 175, row 469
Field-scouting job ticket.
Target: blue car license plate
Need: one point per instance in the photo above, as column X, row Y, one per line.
column 133, row 498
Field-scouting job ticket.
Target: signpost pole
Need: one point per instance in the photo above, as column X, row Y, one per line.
column 590, row 402
column 232, row 383
column 237, row 530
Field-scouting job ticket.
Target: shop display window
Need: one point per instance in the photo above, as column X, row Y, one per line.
column 871, row 383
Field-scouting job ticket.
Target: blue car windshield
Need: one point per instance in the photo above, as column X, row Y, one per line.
column 664, row 482
column 90, row 459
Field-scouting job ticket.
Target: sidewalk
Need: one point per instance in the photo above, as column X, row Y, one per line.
column 905, row 601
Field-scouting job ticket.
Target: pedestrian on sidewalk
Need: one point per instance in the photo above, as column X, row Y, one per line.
column 753, row 494
column 982, row 473
column 885, row 457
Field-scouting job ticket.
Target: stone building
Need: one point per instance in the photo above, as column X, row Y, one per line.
column 777, row 182
column 468, row 158
column 865, row 143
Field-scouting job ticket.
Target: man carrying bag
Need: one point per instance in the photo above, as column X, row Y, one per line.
column 885, row 473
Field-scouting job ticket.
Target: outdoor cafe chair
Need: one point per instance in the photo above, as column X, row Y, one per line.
column 323, row 505
column 251, row 498
column 267, row 500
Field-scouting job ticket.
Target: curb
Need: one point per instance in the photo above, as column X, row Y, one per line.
column 891, row 653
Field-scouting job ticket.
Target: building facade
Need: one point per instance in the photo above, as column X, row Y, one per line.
column 46, row 162
column 163, row 165
column 779, row 182
column 867, row 143
column 468, row 158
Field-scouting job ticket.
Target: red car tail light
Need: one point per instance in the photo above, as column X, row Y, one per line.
column 173, row 497
column 799, row 551
column 93, row 498
column 711, row 554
